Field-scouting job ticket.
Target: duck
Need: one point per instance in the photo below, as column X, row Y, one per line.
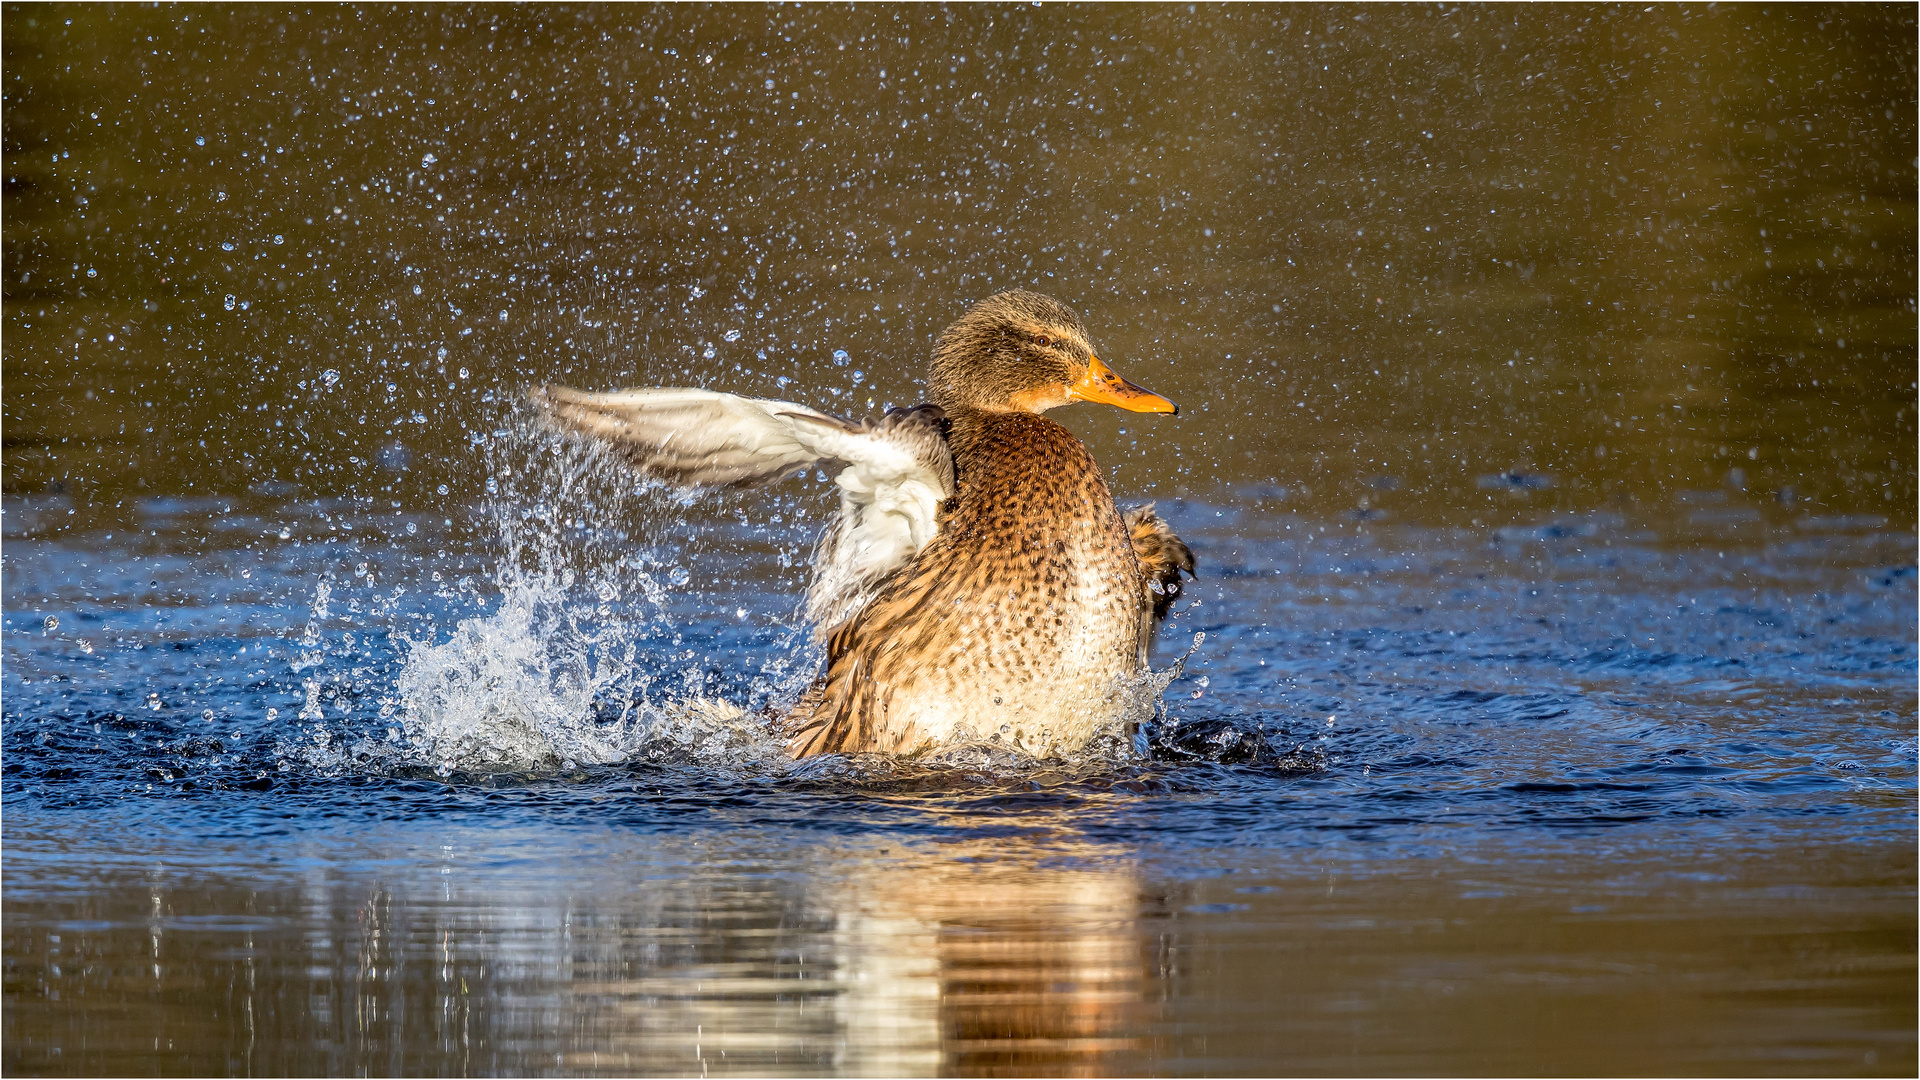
column 978, row 586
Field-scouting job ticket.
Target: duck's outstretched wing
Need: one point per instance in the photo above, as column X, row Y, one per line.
column 893, row 474
column 702, row 438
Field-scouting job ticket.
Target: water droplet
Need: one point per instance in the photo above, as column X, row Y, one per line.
column 153, row 701
column 207, row 715
column 199, row 140
column 463, row 373
column 329, row 377
column 286, row 534
column 840, row 358
column 85, row 646
column 273, row 714
column 360, row 570
column 412, row 528
column 731, row 335
column 231, row 302
column 680, row 576
column 52, row 623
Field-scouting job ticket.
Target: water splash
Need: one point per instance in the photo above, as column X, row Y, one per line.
column 515, row 689
column 576, row 664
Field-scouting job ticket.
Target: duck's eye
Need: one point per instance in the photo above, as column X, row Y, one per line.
column 1042, row 340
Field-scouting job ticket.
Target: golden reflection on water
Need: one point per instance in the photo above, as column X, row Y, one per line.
column 1005, row 956
column 984, row 958
column 1028, row 958
column 1032, row 952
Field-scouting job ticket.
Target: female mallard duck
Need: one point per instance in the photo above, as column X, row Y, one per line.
column 980, row 584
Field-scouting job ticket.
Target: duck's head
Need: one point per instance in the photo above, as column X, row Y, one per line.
column 1019, row 351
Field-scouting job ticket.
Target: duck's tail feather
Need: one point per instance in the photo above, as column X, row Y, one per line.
column 1163, row 557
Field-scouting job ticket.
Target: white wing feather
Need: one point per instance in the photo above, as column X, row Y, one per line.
column 893, row 475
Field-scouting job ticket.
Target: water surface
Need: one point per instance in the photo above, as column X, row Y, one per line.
column 1548, row 696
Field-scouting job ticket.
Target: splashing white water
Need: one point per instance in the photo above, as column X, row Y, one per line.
column 497, row 695
column 527, row 688
column 567, row 669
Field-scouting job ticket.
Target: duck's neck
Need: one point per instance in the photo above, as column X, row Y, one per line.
column 1023, row 460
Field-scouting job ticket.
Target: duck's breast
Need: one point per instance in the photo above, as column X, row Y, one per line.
column 1038, row 625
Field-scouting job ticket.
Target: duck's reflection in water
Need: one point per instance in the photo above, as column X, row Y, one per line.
column 716, row 954
column 1010, row 954
column 998, row 958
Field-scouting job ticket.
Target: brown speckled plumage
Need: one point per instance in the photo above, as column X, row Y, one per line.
column 1025, row 616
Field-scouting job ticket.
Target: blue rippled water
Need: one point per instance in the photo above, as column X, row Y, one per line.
column 247, row 700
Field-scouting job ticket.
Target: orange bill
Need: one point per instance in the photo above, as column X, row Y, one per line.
column 1102, row 384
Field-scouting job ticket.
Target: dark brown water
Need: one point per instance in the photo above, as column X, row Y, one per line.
column 1548, row 385
column 1630, row 251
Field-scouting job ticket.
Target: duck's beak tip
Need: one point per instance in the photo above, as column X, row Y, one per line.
column 1104, row 385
